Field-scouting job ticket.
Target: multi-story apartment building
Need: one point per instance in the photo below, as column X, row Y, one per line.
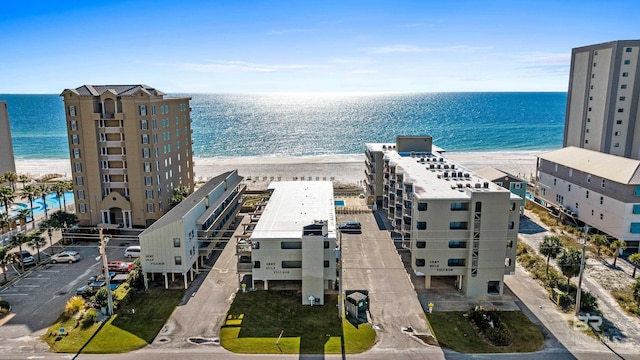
column 602, row 105
column 130, row 147
column 599, row 189
column 458, row 226
column 181, row 240
column 7, row 161
column 294, row 239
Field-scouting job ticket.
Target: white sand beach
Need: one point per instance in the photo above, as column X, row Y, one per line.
column 345, row 169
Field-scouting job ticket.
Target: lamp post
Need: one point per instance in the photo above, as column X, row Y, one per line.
column 50, row 233
column 340, row 300
column 103, row 255
column 579, row 290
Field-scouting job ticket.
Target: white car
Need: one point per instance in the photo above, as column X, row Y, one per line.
column 64, row 257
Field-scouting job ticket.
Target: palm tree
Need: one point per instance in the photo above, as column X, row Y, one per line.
column 5, row 221
column 67, row 185
column 599, row 241
column 634, row 259
column 23, row 216
column 569, row 262
column 30, row 192
column 58, row 188
column 43, row 191
column 24, row 179
column 635, row 289
column 617, row 245
column 6, row 258
column 62, row 220
column 11, row 177
column 550, row 247
column 36, row 242
column 7, row 195
column 18, row 240
column 179, row 194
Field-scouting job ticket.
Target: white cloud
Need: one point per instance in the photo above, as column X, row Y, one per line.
column 405, row 48
column 364, row 71
column 241, row 66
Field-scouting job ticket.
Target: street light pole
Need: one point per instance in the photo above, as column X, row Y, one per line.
column 584, row 253
column 103, row 254
column 340, row 300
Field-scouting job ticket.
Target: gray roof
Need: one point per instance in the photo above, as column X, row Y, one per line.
column 494, row 174
column 187, row 204
column 120, row 90
column 611, row 167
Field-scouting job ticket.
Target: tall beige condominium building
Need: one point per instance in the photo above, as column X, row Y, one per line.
column 460, row 228
column 602, row 105
column 7, row 162
column 130, row 146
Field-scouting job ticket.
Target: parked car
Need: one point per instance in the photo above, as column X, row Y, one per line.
column 71, row 252
column 119, row 266
column 100, row 277
column 90, row 289
column 350, row 225
column 132, row 251
column 26, row 258
column 64, row 257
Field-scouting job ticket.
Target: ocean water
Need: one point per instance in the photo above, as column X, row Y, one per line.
column 232, row 125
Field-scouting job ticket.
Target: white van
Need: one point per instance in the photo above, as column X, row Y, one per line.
column 132, row 251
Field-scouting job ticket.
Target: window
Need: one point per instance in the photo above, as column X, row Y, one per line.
column 144, row 125
column 509, row 244
column 148, row 181
column 421, row 225
column 601, row 216
column 145, row 138
column 154, row 123
column 146, row 153
column 594, row 64
column 627, row 62
column 82, row 208
column 459, row 206
column 292, row 264
column 637, row 190
column 326, row 244
column 569, row 187
column 153, row 109
column 150, row 208
column 623, row 86
column 178, row 260
column 72, row 110
column 457, row 244
column 586, row 131
column 80, row 194
column 601, row 200
column 628, row 49
column 421, row 244
column 511, row 225
column 595, row 53
column 591, row 212
column 420, row 262
column 76, row 153
column 73, row 125
column 625, row 74
column 493, row 287
column 512, row 206
column 291, row 245
column 458, row 225
column 78, row 166
column 147, row 167
column 586, row 194
column 618, row 122
column 602, row 183
column 588, row 119
column 79, row 181
column 256, row 264
column 622, row 98
column 143, row 110
column 636, row 209
column 635, row 228
column 422, row 206
column 176, row 242
column 576, row 205
column 455, row 262
column 326, row 263
column 148, row 194
column 588, row 178
column 555, row 181
column 616, row 145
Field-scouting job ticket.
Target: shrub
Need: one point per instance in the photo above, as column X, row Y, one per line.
column 100, row 298
column 4, row 304
column 490, row 323
column 74, row 305
column 89, row 318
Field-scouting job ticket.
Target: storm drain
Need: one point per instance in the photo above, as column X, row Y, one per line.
column 204, row 341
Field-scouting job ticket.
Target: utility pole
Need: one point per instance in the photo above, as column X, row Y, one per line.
column 103, row 254
column 340, row 300
column 584, row 253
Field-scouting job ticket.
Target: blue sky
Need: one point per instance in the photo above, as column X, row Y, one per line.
column 303, row 46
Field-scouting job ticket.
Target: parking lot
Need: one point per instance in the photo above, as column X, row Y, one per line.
column 39, row 297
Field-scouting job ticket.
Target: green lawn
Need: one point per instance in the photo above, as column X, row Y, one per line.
column 125, row 331
column 455, row 332
column 256, row 319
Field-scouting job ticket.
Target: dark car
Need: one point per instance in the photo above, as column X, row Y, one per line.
column 100, row 277
column 90, row 289
column 26, row 258
column 350, row 226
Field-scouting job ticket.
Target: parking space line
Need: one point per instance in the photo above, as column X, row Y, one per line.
column 27, row 286
column 36, row 278
column 50, row 271
column 10, row 294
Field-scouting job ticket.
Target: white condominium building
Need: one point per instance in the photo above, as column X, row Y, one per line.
column 294, row 240
column 7, row 161
column 602, row 190
column 459, row 227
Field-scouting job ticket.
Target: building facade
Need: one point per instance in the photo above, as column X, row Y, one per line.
column 600, row 190
column 7, row 160
column 293, row 239
column 602, row 104
column 181, row 240
column 459, row 227
column 130, row 147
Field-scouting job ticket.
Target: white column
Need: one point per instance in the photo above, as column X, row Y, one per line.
column 166, row 281
column 130, row 221
column 184, row 277
column 124, row 219
column 146, row 282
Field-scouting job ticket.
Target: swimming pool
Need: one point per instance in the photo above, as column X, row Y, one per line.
column 38, row 206
column 338, row 203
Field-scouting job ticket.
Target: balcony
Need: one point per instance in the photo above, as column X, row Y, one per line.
column 115, row 171
column 108, row 116
column 113, row 157
column 117, row 144
column 117, row 184
column 406, row 227
column 112, row 129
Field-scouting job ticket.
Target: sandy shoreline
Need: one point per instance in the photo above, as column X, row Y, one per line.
column 341, row 168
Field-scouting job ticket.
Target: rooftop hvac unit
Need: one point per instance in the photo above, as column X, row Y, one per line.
column 486, row 185
column 431, row 166
column 459, row 173
column 446, row 166
column 466, row 175
column 478, row 185
column 453, row 166
column 439, row 166
column 439, row 176
column 441, row 159
column 446, row 174
column 459, row 185
column 453, row 186
column 467, row 185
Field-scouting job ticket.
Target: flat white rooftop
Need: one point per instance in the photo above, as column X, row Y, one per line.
column 293, row 205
